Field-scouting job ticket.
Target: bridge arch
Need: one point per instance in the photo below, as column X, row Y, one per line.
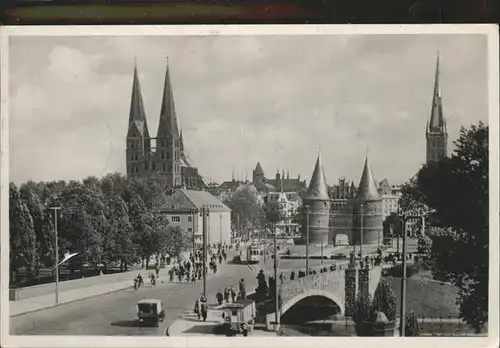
column 313, row 292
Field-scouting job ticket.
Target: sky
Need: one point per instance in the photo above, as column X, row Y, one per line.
column 242, row 99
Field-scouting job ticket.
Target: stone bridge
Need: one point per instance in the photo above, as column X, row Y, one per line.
column 340, row 286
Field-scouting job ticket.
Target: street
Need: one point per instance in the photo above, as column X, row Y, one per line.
column 115, row 314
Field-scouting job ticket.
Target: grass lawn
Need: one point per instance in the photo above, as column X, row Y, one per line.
column 427, row 298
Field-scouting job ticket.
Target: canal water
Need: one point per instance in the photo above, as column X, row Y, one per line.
column 318, row 316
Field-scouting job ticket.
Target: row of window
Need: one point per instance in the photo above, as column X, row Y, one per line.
column 165, row 167
column 160, row 143
column 178, row 218
column 438, row 142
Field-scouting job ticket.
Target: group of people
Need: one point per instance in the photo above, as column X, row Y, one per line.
column 229, row 295
column 138, row 281
column 192, row 268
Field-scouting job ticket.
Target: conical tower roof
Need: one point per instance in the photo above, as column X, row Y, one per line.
column 137, row 116
column 181, row 142
column 437, row 122
column 367, row 189
column 318, row 188
column 258, row 169
column 168, row 119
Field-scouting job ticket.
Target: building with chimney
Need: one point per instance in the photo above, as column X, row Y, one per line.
column 165, row 153
column 317, row 206
column 367, row 210
column 436, row 133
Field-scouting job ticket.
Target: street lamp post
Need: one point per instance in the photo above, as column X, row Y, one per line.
column 220, row 220
column 307, row 238
column 361, row 233
column 276, row 312
column 403, row 278
column 204, row 212
column 56, row 209
column 193, row 212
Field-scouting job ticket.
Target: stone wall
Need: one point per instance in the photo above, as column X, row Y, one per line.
column 319, row 221
column 341, row 286
column 372, row 221
column 364, row 281
column 351, row 285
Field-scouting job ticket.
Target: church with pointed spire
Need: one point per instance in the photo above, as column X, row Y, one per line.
column 436, row 133
column 165, row 153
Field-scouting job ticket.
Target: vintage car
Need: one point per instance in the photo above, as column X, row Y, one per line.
column 239, row 317
column 150, row 312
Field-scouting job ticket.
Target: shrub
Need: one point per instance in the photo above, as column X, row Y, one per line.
column 412, row 327
column 384, row 300
column 397, row 270
column 361, row 309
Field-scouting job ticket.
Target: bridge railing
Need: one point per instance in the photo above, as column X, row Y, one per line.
column 328, row 281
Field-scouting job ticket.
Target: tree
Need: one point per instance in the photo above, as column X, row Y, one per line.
column 412, row 327
column 175, row 241
column 22, row 236
column 30, row 198
column 246, row 208
column 424, row 244
column 273, row 212
column 456, row 190
column 117, row 243
column 361, row 308
column 82, row 221
column 384, row 300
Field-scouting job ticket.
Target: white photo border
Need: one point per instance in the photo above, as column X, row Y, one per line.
column 489, row 30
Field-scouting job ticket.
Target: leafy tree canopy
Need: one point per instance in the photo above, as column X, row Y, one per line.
column 455, row 191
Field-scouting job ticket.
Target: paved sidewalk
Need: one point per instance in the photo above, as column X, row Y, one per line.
column 189, row 325
column 46, row 301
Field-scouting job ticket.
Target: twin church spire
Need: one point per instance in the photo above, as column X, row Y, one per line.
column 166, row 156
column 168, row 124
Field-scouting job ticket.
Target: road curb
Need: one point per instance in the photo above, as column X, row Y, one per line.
column 68, row 302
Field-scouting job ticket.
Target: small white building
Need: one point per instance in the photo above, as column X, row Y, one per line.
column 183, row 208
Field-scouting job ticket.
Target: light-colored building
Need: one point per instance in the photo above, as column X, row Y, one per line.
column 183, row 209
column 289, row 203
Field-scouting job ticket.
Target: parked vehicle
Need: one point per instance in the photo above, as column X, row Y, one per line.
column 150, row 312
column 239, row 317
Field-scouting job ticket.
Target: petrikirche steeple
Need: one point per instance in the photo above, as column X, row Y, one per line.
column 436, row 132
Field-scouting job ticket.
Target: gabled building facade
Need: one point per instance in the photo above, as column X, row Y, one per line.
column 182, row 208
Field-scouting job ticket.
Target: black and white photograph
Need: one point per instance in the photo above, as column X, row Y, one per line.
column 222, row 182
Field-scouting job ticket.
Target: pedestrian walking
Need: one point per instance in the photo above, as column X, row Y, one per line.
column 203, row 307
column 227, row 294
column 197, row 308
column 219, row 297
column 243, row 291
column 233, row 295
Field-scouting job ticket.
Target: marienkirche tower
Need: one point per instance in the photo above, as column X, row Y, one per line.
column 163, row 154
column 436, row 133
